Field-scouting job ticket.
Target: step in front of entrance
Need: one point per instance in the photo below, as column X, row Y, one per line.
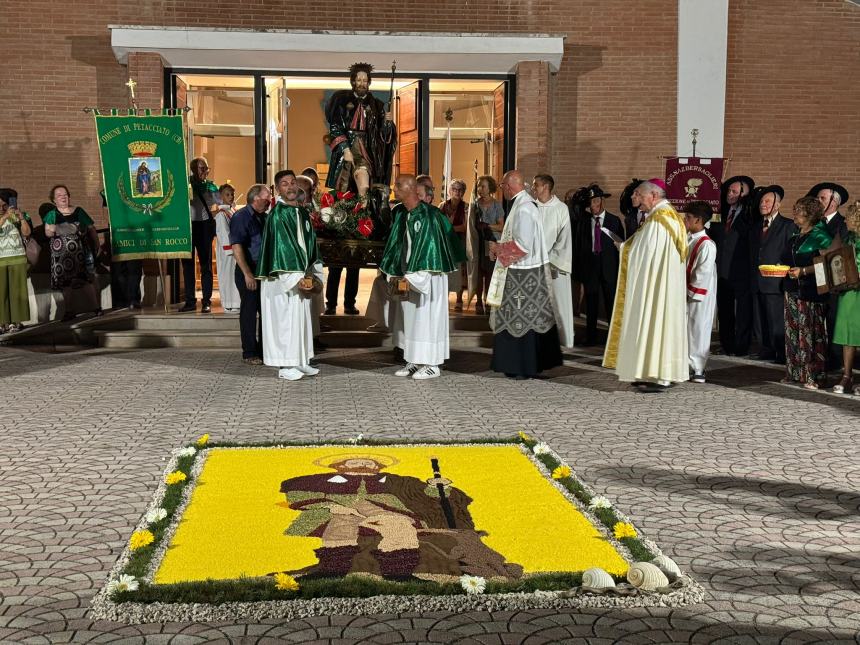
column 229, row 339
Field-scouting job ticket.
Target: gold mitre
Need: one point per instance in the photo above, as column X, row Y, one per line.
column 142, row 148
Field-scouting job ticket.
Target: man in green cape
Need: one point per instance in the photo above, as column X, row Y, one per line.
column 421, row 250
column 290, row 271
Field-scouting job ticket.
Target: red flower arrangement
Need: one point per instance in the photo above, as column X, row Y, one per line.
column 344, row 216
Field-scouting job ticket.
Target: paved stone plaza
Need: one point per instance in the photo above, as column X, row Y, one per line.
column 751, row 486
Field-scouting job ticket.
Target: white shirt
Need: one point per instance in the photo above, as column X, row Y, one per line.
column 827, row 218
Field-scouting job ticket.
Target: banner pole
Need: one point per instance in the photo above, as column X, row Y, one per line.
column 163, row 286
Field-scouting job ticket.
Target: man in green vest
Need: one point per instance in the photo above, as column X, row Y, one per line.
column 290, row 272
column 421, row 250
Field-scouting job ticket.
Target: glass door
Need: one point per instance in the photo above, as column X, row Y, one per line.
column 474, row 112
column 220, row 127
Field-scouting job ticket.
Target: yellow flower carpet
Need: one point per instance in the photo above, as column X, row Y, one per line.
column 260, row 511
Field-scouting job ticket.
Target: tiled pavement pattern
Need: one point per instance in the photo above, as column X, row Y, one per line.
column 750, row 485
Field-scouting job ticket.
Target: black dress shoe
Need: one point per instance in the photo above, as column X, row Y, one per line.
column 206, row 309
column 652, row 388
column 330, row 311
column 351, row 311
column 189, row 306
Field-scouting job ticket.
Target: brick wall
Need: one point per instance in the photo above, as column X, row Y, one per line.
column 793, row 93
column 611, row 106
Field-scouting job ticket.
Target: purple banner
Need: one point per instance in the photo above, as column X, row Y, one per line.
column 690, row 179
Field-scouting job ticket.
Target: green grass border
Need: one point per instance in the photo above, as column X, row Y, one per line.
column 353, row 586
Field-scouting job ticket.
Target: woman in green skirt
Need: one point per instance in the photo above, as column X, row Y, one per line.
column 846, row 332
column 14, row 301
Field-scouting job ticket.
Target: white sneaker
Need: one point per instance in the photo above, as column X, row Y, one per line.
column 308, row 370
column 408, row 370
column 427, row 371
column 290, row 373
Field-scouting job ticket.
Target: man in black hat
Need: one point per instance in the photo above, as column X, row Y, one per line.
column 600, row 268
column 831, row 196
column 769, row 241
column 734, row 267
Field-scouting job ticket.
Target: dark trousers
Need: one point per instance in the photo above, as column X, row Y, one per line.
column 250, row 322
column 125, row 283
column 592, row 302
column 770, row 316
column 333, row 283
column 202, row 234
column 834, row 351
column 735, row 316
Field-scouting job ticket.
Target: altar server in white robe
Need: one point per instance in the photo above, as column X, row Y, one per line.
column 290, row 272
column 701, row 287
column 555, row 218
column 648, row 334
column 225, row 262
column 421, row 250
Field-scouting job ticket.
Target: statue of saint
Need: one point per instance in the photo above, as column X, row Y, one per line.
column 363, row 137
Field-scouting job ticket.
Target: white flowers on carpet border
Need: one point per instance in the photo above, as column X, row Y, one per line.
column 123, row 583
column 155, row 515
column 190, row 451
column 542, row 449
column 599, row 501
column 473, row 584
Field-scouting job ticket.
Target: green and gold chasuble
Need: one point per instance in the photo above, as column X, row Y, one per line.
column 281, row 250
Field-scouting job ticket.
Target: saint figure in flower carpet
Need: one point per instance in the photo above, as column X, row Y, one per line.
column 392, row 525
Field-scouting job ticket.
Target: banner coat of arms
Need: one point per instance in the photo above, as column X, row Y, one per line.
column 144, row 170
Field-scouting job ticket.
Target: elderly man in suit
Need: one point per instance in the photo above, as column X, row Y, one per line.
column 600, row 255
column 734, row 267
column 769, row 238
column 832, row 196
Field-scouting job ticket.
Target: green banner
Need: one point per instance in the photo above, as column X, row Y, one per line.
column 145, row 183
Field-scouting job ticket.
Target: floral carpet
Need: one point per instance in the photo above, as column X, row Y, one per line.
column 296, row 530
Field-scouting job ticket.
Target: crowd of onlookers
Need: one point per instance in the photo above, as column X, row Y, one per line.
column 786, row 317
column 64, row 244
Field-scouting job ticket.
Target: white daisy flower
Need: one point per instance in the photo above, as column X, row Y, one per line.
column 541, row 449
column 599, row 501
column 190, row 451
column 473, row 584
column 125, row 583
column 155, row 515
column 358, row 439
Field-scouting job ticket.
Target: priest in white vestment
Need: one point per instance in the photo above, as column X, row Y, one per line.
column 421, row 250
column 290, row 272
column 555, row 218
column 525, row 340
column 701, row 287
column 647, row 342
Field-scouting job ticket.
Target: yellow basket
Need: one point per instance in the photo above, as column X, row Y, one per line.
column 773, row 270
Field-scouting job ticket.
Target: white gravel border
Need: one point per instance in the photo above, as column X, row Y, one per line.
column 103, row 608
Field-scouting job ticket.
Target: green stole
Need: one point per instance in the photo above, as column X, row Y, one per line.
column 281, row 250
column 435, row 245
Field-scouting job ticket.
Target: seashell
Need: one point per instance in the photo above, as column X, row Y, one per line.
column 597, row 578
column 668, row 566
column 646, row 576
